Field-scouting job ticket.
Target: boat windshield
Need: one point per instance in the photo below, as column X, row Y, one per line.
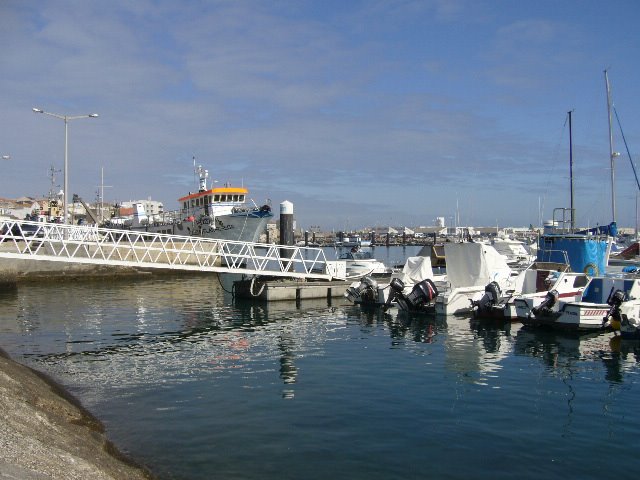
column 355, row 256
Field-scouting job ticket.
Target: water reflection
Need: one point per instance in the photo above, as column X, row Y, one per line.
column 401, row 326
column 162, row 330
column 561, row 352
column 209, row 383
column 475, row 349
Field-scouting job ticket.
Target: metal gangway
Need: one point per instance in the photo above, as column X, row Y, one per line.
column 87, row 244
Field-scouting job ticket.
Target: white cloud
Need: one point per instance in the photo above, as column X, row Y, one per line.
column 376, row 106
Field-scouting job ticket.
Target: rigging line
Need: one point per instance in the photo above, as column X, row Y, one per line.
column 627, row 147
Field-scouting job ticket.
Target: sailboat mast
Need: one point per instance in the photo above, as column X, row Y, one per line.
column 612, row 154
column 573, row 224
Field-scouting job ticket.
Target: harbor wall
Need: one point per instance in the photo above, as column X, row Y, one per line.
column 18, row 270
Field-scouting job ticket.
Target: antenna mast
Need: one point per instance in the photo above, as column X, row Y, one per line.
column 612, row 154
column 573, row 219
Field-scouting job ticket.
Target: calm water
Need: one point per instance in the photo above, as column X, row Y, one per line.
column 199, row 386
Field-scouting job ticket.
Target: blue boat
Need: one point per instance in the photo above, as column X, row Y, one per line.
column 584, row 251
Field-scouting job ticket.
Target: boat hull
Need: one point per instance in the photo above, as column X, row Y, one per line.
column 577, row 316
column 457, row 301
column 242, row 227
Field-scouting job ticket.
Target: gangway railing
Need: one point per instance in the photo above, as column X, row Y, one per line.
column 86, row 244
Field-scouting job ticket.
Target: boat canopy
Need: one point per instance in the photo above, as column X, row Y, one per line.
column 415, row 270
column 474, row 265
column 611, row 230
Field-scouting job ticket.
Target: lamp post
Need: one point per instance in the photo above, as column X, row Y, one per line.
column 66, row 119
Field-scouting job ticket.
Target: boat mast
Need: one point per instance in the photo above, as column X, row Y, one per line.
column 573, row 225
column 612, row 154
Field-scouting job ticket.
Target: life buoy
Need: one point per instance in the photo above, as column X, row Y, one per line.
column 591, row 269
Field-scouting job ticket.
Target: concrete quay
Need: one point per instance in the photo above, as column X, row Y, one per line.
column 280, row 290
column 25, row 270
column 46, row 434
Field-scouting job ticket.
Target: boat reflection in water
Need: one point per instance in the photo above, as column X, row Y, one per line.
column 566, row 353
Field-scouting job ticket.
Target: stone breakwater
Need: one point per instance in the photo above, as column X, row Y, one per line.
column 46, row 434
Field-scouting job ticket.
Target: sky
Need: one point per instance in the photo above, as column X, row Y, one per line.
column 361, row 113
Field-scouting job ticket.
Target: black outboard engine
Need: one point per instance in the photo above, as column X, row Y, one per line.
column 366, row 292
column 615, row 300
column 422, row 295
column 491, row 297
column 395, row 290
column 549, row 301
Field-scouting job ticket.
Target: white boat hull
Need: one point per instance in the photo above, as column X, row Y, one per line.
column 579, row 316
column 457, row 301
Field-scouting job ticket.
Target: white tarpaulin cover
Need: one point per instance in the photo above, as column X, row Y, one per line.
column 474, row 264
column 415, row 270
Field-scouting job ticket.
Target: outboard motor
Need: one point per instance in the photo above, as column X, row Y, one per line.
column 615, row 300
column 395, row 291
column 422, row 295
column 549, row 301
column 491, row 297
column 363, row 293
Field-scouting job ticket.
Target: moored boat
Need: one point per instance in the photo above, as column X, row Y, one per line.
column 361, row 263
column 593, row 311
column 470, row 267
column 413, row 289
column 625, row 314
column 211, row 212
column 529, row 289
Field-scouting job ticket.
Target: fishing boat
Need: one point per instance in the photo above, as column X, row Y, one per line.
column 212, row 212
column 593, row 311
column 529, row 289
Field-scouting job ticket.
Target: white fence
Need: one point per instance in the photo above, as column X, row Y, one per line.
column 21, row 239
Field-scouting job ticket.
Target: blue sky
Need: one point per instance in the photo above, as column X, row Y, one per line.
column 361, row 113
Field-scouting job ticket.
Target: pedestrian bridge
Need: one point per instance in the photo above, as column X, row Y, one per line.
column 84, row 244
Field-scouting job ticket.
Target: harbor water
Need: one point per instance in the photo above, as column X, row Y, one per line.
column 198, row 385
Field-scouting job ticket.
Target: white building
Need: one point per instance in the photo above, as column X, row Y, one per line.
column 151, row 207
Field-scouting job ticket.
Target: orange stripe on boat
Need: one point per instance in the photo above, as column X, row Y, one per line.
column 217, row 191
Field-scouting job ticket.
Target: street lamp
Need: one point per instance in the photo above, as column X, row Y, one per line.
column 66, row 119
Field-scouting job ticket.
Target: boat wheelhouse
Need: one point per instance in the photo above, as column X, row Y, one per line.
column 216, row 201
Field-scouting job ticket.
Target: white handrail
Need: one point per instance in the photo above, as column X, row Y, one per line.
column 92, row 245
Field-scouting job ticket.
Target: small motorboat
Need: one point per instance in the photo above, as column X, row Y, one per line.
column 624, row 315
column 529, row 289
column 470, row 267
column 360, row 263
column 601, row 305
column 414, row 289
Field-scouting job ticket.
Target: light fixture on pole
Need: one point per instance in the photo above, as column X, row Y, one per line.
column 66, row 119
